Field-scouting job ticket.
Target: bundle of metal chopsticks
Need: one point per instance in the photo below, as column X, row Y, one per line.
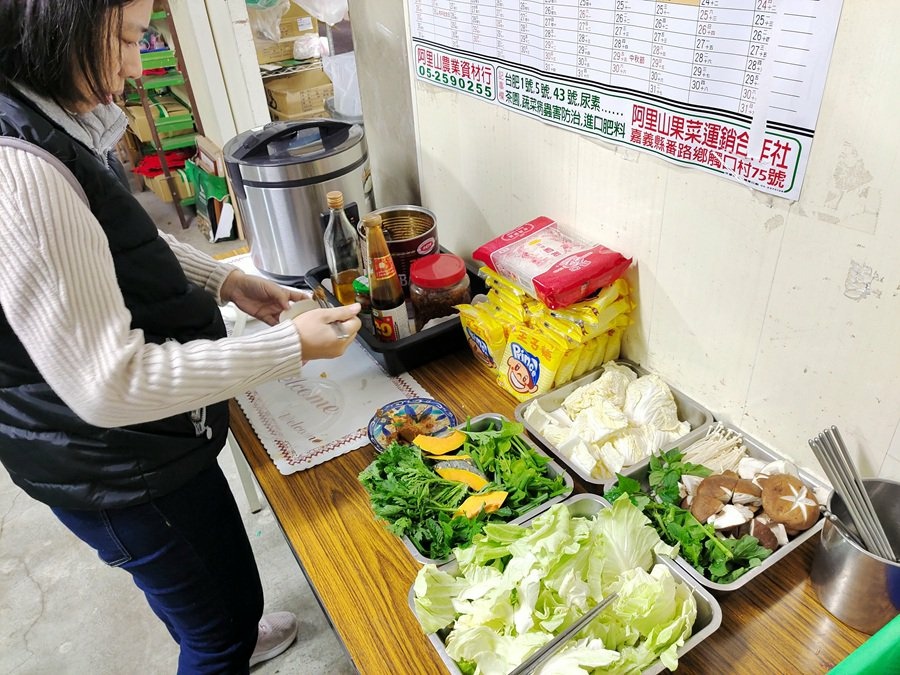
column 832, row 454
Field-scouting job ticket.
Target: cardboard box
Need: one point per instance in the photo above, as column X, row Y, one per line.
column 129, row 151
column 160, row 187
column 294, row 23
column 272, row 52
column 162, row 108
column 209, row 156
column 280, row 117
column 299, row 93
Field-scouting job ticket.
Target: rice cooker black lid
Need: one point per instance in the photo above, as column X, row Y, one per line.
column 282, row 143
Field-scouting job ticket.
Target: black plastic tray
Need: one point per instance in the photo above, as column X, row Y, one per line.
column 417, row 349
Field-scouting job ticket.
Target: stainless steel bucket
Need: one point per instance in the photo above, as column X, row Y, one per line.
column 857, row 587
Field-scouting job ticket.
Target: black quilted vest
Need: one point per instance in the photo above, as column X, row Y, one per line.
column 50, row 452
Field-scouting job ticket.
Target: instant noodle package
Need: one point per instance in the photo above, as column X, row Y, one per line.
column 555, row 267
column 534, row 348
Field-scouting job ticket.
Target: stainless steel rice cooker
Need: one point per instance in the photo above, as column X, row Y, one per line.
column 280, row 174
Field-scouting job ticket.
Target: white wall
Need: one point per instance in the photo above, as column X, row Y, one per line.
column 752, row 305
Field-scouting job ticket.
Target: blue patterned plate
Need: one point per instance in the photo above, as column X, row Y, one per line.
column 424, row 414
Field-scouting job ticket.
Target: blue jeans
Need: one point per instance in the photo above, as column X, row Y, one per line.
column 189, row 553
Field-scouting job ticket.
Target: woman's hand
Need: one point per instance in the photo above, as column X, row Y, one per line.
column 319, row 339
column 258, row 297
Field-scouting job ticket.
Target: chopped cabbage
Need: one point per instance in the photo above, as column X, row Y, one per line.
column 649, row 401
column 512, row 592
column 611, row 386
column 615, row 421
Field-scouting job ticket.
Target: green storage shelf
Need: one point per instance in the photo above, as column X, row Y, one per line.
column 164, row 58
column 178, row 142
column 172, row 123
column 160, row 81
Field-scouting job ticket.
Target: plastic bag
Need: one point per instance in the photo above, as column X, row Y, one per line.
column 265, row 17
column 310, row 46
column 329, row 11
column 341, row 70
column 556, row 268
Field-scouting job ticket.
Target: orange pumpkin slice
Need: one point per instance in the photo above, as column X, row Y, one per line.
column 473, row 505
column 462, row 472
column 440, row 445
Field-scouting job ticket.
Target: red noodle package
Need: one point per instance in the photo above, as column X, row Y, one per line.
column 555, row 267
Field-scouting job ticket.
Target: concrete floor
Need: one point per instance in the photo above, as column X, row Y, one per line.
column 64, row 611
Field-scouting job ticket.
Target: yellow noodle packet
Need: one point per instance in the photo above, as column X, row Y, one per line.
column 574, row 339
column 530, row 362
column 607, row 295
column 613, row 345
column 588, row 355
column 485, row 335
column 495, row 281
column 608, row 316
column 507, row 304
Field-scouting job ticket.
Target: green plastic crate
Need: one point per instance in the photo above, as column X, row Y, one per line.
column 178, row 142
column 879, row 655
column 160, row 81
column 163, row 58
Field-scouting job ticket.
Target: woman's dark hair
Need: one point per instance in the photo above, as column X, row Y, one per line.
column 49, row 45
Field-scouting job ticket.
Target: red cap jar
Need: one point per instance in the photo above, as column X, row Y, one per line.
column 437, row 283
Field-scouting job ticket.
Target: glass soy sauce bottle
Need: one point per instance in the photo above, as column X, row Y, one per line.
column 389, row 317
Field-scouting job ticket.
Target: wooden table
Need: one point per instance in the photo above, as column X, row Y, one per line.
column 362, row 574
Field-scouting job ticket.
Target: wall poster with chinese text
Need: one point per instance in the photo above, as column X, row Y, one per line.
column 732, row 87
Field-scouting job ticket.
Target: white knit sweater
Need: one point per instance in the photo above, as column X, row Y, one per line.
column 59, row 294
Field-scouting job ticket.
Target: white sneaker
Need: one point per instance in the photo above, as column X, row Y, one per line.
column 277, row 632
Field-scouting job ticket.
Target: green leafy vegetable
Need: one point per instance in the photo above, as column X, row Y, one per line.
column 511, row 465
column 666, row 469
column 417, row 503
column 721, row 560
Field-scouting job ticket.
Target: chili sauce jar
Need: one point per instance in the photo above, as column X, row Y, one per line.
column 436, row 284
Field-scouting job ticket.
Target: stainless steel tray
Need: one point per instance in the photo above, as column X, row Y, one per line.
column 754, row 449
column 688, row 411
column 481, row 423
column 709, row 613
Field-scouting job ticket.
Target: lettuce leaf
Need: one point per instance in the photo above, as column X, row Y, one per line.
column 516, row 587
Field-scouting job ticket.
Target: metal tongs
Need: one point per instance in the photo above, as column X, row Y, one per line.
column 319, row 297
column 538, row 659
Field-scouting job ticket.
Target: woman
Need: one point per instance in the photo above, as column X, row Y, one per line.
column 114, row 364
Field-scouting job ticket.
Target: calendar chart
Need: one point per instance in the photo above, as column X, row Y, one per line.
column 732, row 87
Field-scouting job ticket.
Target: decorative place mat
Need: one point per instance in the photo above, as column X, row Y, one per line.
column 308, row 420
